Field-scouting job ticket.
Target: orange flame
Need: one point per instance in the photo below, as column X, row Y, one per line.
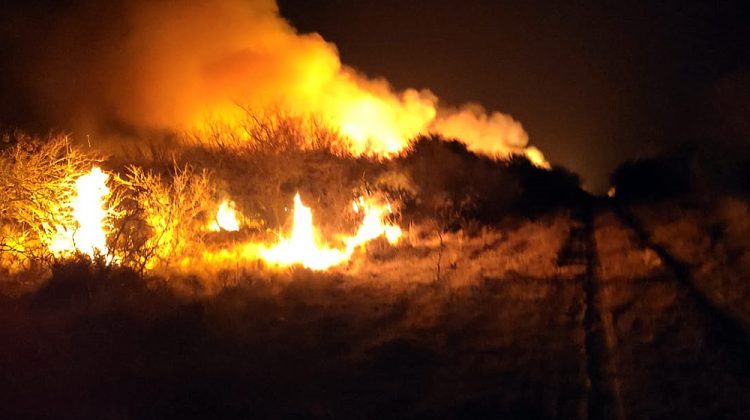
column 304, row 246
column 89, row 212
column 373, row 225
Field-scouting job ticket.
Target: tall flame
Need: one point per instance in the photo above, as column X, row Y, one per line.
column 89, row 213
column 304, row 247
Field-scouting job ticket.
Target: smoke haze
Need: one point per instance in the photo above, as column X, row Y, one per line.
column 162, row 65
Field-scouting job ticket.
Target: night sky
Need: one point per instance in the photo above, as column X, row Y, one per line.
column 593, row 83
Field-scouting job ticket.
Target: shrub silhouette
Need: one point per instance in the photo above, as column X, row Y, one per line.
column 655, row 178
column 445, row 171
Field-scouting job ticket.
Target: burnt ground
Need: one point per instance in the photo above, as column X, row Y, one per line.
column 623, row 323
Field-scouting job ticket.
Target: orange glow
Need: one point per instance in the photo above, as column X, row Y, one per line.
column 536, row 157
column 226, row 218
column 373, row 225
column 89, row 212
column 168, row 74
column 254, row 58
column 304, row 246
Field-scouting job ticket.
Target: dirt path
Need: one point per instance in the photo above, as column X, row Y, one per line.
column 603, row 396
column 730, row 323
column 677, row 354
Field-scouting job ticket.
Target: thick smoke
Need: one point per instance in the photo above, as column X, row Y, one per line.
column 172, row 65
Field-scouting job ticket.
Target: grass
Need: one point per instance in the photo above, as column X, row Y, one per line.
column 707, row 238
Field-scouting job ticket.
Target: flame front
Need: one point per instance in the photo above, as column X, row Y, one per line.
column 304, row 247
column 89, row 213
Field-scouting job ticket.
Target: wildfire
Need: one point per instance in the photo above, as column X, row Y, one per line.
column 89, row 213
column 304, row 246
column 226, row 218
column 251, row 78
column 536, row 157
column 86, row 233
column 373, row 225
column 253, row 57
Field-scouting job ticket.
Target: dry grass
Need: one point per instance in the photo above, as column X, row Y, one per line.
column 705, row 239
column 520, row 250
column 620, row 255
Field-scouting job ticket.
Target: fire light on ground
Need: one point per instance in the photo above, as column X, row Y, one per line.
column 88, row 235
column 304, row 246
column 226, row 218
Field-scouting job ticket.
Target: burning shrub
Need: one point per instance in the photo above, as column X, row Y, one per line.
column 273, row 131
column 163, row 220
column 277, row 154
column 38, row 181
column 158, row 216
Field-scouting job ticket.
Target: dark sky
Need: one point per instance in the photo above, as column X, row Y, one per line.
column 592, row 82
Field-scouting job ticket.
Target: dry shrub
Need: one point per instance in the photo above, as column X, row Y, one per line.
column 263, row 159
column 272, row 131
column 702, row 240
column 163, row 220
column 37, row 180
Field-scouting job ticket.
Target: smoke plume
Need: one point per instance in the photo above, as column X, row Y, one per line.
column 172, row 65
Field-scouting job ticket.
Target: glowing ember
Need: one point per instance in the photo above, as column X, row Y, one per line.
column 89, row 213
column 226, row 218
column 303, row 246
